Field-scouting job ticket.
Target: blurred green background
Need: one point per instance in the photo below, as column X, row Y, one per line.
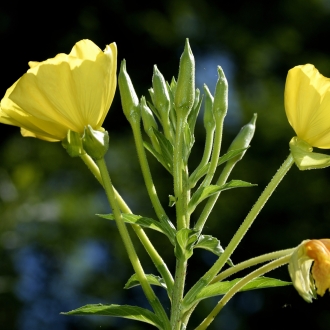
column 56, row 255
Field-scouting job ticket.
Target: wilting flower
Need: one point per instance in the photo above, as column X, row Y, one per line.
column 307, row 105
column 306, row 282
column 65, row 92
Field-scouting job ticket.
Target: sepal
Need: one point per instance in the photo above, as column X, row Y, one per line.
column 96, row 143
column 73, row 144
column 304, row 156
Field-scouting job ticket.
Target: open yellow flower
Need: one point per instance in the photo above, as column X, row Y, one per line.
column 316, row 252
column 65, row 92
column 307, row 105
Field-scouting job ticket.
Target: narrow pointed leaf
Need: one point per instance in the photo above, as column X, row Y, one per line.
column 154, row 110
column 189, row 141
column 212, row 244
column 157, row 155
column 166, row 149
column 203, row 170
column 205, row 192
column 152, row 279
column 185, row 240
column 221, row 288
column 124, row 311
column 144, row 222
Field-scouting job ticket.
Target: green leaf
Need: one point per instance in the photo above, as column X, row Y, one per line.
column 189, row 141
column 192, row 117
column 125, row 311
column 157, row 155
column 172, row 200
column 221, row 288
column 172, row 114
column 205, row 192
column 304, row 158
column 153, row 109
column 212, row 244
column 144, row 222
column 185, row 240
column 203, row 170
column 152, row 280
column 166, row 148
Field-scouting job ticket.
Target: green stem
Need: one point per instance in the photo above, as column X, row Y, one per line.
column 239, row 285
column 251, row 262
column 144, row 239
column 178, row 290
column 257, row 207
column 89, row 162
column 213, row 199
column 160, row 212
column 177, row 175
column 150, row 295
column 206, row 156
column 216, row 150
column 241, row 266
column 181, row 193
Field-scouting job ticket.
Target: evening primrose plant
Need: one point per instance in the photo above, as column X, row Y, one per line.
column 67, row 98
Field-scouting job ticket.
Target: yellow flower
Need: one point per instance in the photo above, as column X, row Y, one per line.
column 307, row 105
column 307, row 253
column 65, row 92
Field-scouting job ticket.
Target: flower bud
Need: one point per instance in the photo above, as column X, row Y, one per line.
column 243, row 139
column 96, row 143
column 185, row 89
column 129, row 99
column 220, row 104
column 73, row 144
column 209, row 121
column 161, row 96
column 162, row 102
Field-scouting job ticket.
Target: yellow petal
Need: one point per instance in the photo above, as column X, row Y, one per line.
column 65, row 92
column 307, row 105
column 318, row 250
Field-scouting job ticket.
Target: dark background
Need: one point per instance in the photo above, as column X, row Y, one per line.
column 56, row 255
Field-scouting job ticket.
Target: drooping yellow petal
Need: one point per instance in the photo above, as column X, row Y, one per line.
column 307, row 105
column 65, row 92
column 317, row 250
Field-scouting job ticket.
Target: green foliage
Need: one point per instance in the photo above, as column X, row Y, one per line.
column 221, row 288
column 205, row 192
column 204, row 169
column 143, row 222
column 185, row 241
column 212, row 244
column 125, row 311
column 152, row 279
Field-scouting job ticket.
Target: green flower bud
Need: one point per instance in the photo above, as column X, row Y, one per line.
column 209, row 121
column 96, row 143
column 185, row 90
column 162, row 102
column 220, row 104
column 73, row 144
column 243, row 138
column 129, row 99
column 161, row 95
